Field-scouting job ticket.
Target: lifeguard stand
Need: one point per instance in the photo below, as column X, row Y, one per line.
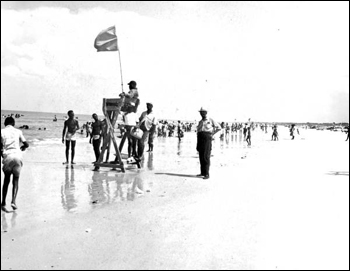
column 111, row 109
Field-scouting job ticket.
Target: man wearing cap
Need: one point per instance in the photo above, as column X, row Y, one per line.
column 206, row 128
column 133, row 94
column 147, row 122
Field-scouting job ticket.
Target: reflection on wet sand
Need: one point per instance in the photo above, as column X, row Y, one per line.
column 68, row 189
column 150, row 165
column 179, row 148
column 83, row 190
column 4, row 224
column 108, row 187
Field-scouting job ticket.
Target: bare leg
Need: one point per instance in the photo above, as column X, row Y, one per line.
column 14, row 191
column 73, row 151
column 130, row 146
column 4, row 190
column 67, row 151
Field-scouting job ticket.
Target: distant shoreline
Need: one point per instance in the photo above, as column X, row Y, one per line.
column 173, row 120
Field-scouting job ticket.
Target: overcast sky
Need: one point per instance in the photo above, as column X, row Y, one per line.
column 269, row 61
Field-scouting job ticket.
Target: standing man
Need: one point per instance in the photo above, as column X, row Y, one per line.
column 71, row 125
column 152, row 135
column 147, row 122
column 96, row 135
column 249, row 136
column 206, row 129
column 180, row 132
column 245, row 131
column 275, row 133
column 292, row 131
column 12, row 159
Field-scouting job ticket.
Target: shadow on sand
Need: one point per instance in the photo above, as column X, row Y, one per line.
column 340, row 173
column 178, row 175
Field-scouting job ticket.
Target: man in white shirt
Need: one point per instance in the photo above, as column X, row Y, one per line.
column 12, row 159
column 207, row 127
column 147, row 121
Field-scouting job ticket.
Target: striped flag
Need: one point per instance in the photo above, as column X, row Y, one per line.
column 106, row 40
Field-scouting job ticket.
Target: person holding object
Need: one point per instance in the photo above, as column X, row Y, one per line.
column 147, row 122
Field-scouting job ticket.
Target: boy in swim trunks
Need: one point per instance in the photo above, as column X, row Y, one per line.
column 71, row 125
column 12, row 159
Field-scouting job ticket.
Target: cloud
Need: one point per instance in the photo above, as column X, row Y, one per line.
column 234, row 56
column 11, row 70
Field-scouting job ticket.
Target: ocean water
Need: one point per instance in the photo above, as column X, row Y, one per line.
column 43, row 130
column 38, row 121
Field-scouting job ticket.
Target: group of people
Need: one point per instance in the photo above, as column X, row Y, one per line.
column 136, row 145
column 169, row 129
column 13, row 141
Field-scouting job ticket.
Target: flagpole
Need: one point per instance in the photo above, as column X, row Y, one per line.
column 121, row 72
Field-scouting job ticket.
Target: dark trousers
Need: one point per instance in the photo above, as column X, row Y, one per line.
column 204, row 141
column 96, row 144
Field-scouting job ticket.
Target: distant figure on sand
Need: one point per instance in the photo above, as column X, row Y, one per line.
column 55, row 118
column 95, row 137
column 180, row 132
column 71, row 125
column 206, row 129
column 274, row 133
column 249, row 136
column 245, row 131
column 12, row 159
column 293, row 130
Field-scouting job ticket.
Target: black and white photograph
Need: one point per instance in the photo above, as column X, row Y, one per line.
column 175, row 135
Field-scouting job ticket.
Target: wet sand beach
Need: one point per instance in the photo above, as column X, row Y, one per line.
column 274, row 205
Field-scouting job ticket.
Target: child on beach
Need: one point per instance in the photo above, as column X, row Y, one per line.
column 12, row 159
